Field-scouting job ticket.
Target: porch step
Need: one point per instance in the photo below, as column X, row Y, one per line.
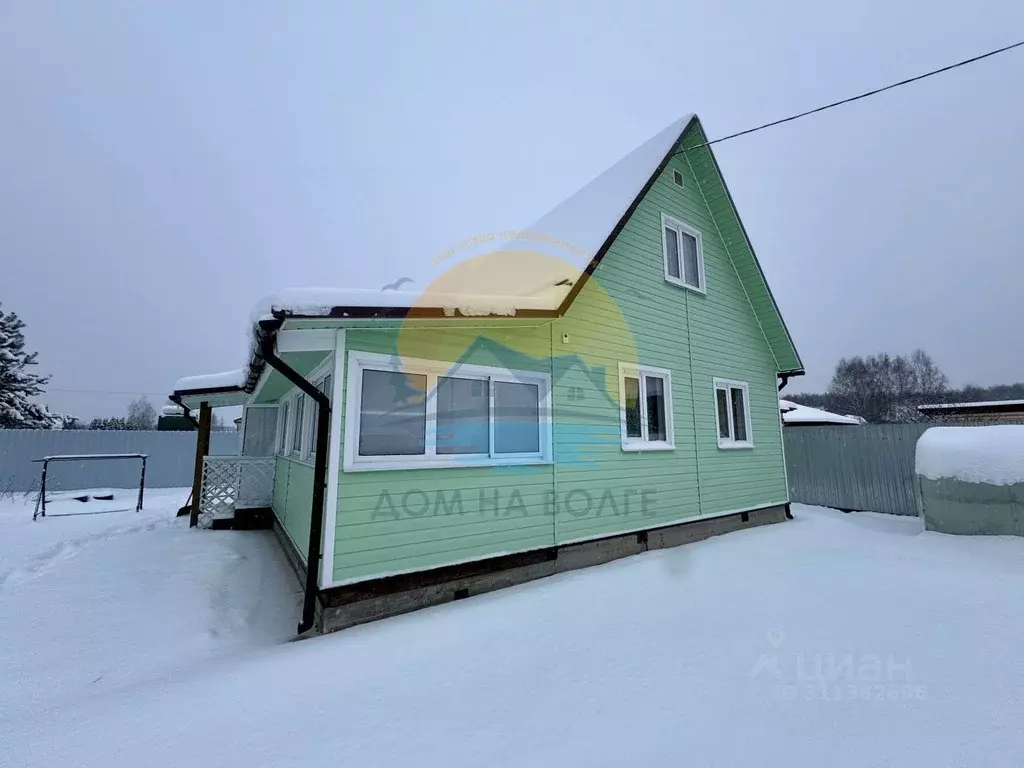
column 258, row 518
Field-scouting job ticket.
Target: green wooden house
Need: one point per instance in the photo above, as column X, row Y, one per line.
column 603, row 383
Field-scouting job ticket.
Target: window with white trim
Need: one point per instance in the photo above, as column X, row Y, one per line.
column 282, row 429
column 732, row 414
column 645, row 397
column 421, row 413
column 299, row 405
column 324, row 385
column 683, row 253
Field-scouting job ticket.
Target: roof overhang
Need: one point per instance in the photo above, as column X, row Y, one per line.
column 215, row 397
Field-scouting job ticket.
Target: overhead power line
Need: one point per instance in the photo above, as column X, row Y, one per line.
column 858, row 96
column 105, row 392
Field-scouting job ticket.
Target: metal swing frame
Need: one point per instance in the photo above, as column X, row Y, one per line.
column 40, row 509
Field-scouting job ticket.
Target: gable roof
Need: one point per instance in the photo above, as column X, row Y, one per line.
column 576, row 232
column 579, row 232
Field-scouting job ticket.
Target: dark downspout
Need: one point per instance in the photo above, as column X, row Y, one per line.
column 323, row 431
column 785, row 381
column 176, row 399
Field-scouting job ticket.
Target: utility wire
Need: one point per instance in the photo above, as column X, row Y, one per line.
column 104, row 392
column 855, row 98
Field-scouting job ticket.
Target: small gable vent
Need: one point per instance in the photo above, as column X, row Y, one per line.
column 677, row 177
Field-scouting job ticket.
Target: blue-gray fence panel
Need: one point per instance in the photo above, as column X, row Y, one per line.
column 870, row 467
column 170, row 464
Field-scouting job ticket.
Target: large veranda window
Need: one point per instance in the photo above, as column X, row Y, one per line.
column 405, row 413
column 645, row 397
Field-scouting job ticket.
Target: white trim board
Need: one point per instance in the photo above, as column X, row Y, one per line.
column 334, row 458
column 306, row 340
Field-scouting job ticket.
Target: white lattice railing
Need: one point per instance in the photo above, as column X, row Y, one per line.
column 234, row 482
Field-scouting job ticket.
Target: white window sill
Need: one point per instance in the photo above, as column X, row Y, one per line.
column 642, row 446
column 732, row 445
column 687, row 286
column 380, row 466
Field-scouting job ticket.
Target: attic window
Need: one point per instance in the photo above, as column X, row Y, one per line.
column 684, row 257
column 677, row 177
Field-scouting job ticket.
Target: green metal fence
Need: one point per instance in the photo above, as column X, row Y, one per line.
column 870, row 467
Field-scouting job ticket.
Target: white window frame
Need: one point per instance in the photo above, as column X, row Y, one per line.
column 642, row 443
column 681, row 228
column 284, row 415
column 728, row 443
column 432, row 369
column 318, row 382
column 300, row 424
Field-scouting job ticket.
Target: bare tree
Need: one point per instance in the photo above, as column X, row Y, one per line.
column 886, row 388
column 141, row 414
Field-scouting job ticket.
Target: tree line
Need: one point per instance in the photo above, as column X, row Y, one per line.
column 20, row 386
column 888, row 388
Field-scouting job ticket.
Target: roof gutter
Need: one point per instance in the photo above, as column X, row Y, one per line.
column 269, row 330
column 176, row 399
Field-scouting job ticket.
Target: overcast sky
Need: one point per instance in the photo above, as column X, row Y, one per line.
column 164, row 165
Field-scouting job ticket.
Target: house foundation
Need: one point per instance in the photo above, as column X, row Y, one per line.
column 346, row 606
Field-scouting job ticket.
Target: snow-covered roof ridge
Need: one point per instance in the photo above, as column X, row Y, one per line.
column 795, row 413
column 992, row 454
column 224, row 379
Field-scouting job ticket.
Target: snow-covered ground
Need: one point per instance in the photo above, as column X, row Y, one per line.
column 832, row 640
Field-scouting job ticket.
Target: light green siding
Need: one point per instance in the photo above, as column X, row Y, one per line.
column 293, row 498
column 402, row 520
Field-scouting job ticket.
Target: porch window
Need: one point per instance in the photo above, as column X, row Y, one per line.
column 324, row 385
column 300, row 403
column 420, row 413
column 732, row 414
column 282, row 429
column 645, row 396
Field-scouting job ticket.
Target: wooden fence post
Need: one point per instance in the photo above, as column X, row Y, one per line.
column 202, row 449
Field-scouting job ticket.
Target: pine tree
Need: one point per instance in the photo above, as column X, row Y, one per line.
column 17, row 384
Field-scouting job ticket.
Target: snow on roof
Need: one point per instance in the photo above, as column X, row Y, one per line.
column 983, row 404
column 795, row 413
column 584, row 221
column 993, row 455
column 320, row 302
column 174, row 410
column 572, row 232
column 235, row 378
